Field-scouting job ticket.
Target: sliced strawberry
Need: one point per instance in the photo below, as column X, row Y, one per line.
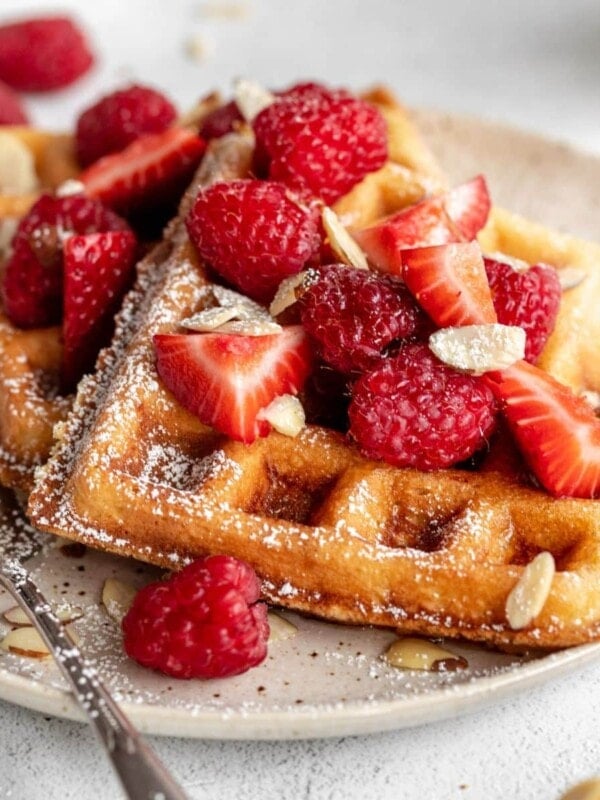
column 469, row 206
column 227, row 379
column 449, row 283
column 426, row 223
column 557, row 432
column 455, row 216
column 97, row 271
column 154, row 167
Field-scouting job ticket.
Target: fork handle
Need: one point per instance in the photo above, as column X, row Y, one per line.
column 142, row 774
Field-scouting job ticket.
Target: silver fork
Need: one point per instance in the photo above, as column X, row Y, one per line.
column 141, row 773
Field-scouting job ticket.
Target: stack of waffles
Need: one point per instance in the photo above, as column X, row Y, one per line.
column 328, row 531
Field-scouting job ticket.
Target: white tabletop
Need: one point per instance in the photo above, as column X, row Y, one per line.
column 520, row 61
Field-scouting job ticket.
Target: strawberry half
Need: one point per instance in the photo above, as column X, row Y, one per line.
column 156, row 166
column 455, row 216
column 450, row 283
column 227, row 379
column 97, row 270
column 557, row 432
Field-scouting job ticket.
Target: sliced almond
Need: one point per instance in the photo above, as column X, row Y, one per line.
column 516, row 263
column 251, row 327
column 342, row 244
column 479, row 348
column 287, row 293
column 25, row 641
column 529, row 594
column 117, row 598
column 570, row 277
column 70, row 187
column 413, row 653
column 17, row 616
column 17, row 166
column 251, row 98
column 591, row 397
column 280, row 628
column 8, row 228
column 286, row 414
column 209, row 319
column 588, row 790
column 200, row 48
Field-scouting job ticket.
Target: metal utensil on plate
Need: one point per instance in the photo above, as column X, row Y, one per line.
column 142, row 775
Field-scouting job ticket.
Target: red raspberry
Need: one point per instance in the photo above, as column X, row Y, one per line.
column 322, row 141
column 414, row 411
column 528, row 299
column 38, row 55
column 204, row 622
column 220, row 121
column 353, row 315
column 118, row 119
column 32, row 284
column 253, row 234
column 11, row 109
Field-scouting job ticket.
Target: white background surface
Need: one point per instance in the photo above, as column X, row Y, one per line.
column 535, row 64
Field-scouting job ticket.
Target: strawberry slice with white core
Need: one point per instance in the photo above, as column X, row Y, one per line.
column 455, row 216
column 557, row 432
column 153, row 167
column 468, row 206
column 450, row 283
column 98, row 268
column 226, row 379
column 426, row 223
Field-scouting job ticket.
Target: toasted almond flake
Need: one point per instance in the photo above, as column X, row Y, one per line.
column 251, row 98
column 285, row 414
column 18, row 616
column 288, row 291
column 593, row 398
column 413, row 653
column 229, row 11
column 529, row 594
column 479, row 348
column 212, row 318
column 571, row 277
column 69, row 188
column 587, row 790
column 17, row 166
column 516, row 263
column 280, row 628
column 117, row 598
column 25, row 641
column 199, row 47
column 342, row 244
column 8, row 228
column 251, row 327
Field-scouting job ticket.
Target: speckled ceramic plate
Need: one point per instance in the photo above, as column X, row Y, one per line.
column 327, row 680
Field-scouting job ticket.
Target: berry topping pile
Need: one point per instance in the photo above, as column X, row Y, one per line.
column 319, row 140
column 37, row 55
column 119, row 119
column 254, row 234
column 414, row 411
column 204, row 622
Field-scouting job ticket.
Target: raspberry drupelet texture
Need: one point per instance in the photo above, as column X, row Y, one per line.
column 253, row 234
column 352, row 315
column 319, row 140
column 204, row 622
column 528, row 299
column 414, row 411
column 32, row 284
column 118, row 119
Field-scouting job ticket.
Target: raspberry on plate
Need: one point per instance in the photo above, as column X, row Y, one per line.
column 118, row 119
column 529, row 299
column 414, row 411
column 353, row 315
column 319, row 140
column 11, row 108
column 32, row 284
column 44, row 53
column 204, row 622
column 253, row 234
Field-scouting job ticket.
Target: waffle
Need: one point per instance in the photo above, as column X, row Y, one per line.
column 329, row 532
column 30, row 360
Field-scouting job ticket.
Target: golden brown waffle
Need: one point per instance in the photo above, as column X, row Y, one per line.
column 30, row 360
column 329, row 532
